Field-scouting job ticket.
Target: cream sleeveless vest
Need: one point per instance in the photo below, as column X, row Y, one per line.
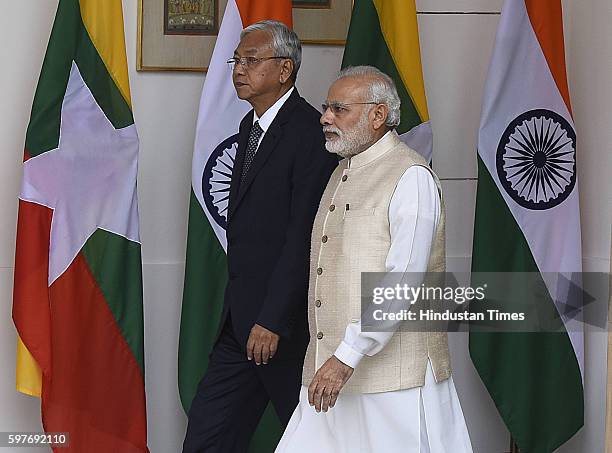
column 351, row 235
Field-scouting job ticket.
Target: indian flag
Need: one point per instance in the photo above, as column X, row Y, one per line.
column 214, row 152
column 528, row 220
column 385, row 34
column 77, row 302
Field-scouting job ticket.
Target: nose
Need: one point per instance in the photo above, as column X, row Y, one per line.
column 327, row 118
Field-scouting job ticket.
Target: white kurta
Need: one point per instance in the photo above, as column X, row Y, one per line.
column 425, row 419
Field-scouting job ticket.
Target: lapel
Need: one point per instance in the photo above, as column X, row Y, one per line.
column 243, row 138
column 266, row 147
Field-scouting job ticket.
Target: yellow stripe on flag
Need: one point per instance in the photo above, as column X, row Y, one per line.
column 104, row 23
column 28, row 374
column 398, row 22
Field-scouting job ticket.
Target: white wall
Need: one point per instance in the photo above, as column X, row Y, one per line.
column 21, row 52
column 456, row 51
column 589, row 53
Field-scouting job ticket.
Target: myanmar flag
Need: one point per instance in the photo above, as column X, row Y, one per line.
column 385, row 34
column 528, row 220
column 77, row 302
column 213, row 160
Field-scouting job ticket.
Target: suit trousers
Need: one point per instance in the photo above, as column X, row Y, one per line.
column 233, row 395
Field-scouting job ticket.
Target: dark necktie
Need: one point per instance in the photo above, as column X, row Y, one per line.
column 254, row 137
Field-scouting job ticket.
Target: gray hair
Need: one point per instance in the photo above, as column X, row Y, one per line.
column 285, row 43
column 380, row 89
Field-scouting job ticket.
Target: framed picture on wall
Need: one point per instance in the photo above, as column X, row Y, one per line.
column 180, row 35
column 311, row 3
column 322, row 21
column 191, row 17
column 177, row 35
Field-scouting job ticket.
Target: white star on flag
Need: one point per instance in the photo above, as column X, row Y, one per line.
column 87, row 179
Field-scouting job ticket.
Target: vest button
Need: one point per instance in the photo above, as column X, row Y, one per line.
column 320, row 335
column 319, row 270
column 317, row 303
column 324, row 239
column 344, row 178
column 332, row 207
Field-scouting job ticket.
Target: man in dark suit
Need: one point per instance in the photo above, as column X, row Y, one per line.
column 279, row 175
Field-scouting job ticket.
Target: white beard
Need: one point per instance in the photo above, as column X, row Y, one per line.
column 350, row 142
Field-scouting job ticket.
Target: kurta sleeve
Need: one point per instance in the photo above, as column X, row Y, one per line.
column 414, row 213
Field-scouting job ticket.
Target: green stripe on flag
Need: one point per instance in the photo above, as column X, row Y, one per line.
column 365, row 45
column 204, row 288
column 43, row 129
column 534, row 378
column 69, row 41
column 102, row 86
column 116, row 266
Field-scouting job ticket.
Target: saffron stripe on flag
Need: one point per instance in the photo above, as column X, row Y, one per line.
column 550, row 35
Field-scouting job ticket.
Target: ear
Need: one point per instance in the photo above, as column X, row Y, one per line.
column 286, row 70
column 378, row 116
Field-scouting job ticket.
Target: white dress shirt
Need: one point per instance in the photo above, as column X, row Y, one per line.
column 269, row 115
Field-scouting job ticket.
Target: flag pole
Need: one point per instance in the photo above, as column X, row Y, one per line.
column 513, row 447
column 609, row 386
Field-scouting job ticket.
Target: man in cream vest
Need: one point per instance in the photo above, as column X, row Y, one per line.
column 382, row 211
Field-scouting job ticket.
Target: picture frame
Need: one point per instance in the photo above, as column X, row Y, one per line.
column 322, row 22
column 162, row 47
column 317, row 4
column 174, row 35
column 191, row 17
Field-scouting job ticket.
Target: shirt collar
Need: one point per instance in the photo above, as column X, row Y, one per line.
column 384, row 144
column 269, row 115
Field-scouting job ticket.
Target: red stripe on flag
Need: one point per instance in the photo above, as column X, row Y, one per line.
column 252, row 11
column 546, row 18
column 31, row 313
column 96, row 391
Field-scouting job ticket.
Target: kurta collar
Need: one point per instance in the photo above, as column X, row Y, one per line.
column 384, row 144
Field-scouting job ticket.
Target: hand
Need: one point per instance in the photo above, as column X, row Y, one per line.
column 327, row 383
column 262, row 344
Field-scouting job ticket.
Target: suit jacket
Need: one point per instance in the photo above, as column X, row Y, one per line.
column 269, row 225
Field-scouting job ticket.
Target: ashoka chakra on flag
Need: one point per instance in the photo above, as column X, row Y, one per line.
column 536, row 159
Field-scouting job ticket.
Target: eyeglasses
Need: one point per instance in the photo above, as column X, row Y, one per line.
column 338, row 108
column 248, row 62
